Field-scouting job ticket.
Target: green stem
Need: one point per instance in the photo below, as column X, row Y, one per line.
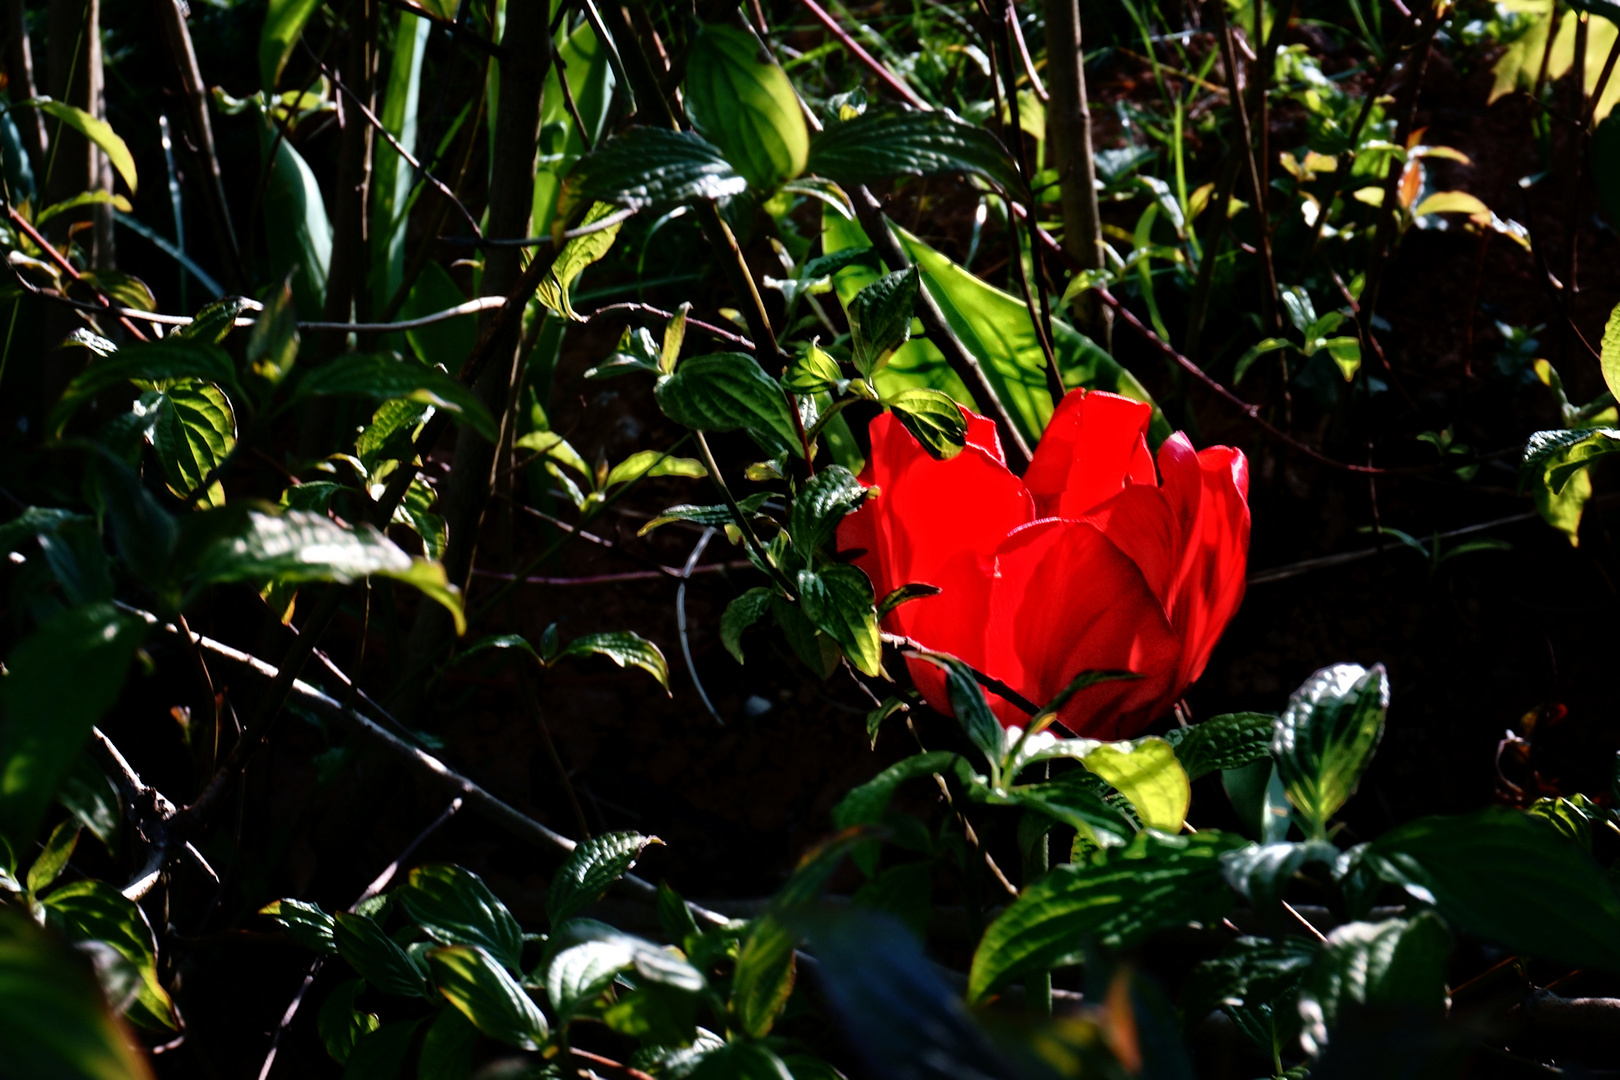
column 737, row 515
column 1038, row 985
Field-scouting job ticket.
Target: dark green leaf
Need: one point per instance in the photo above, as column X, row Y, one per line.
column 820, row 505
column 283, row 26
column 647, row 166
column 215, row 320
column 148, row 361
column 1072, row 802
column 272, row 346
column 1508, row 877
column 488, row 996
column 595, row 865
column 813, row 372
column 449, row 341
column 375, row 956
column 717, row 514
column 674, row 917
column 59, row 681
column 296, row 546
column 1261, row 872
column 743, row 103
column 971, row 708
column 727, row 391
column 875, row 718
column 301, row 242
column 54, row 858
column 1223, row 742
column 894, row 142
column 374, row 375
column 1256, row 982
column 144, row 532
column 305, row 923
column 764, row 976
column 880, row 318
column 194, row 433
column 905, row 594
column 624, row 648
column 741, row 1061
column 124, row 290
column 1395, row 965
column 340, row 1025
column 92, row 799
column 1326, row 737
column 79, row 562
column 380, row 1054
column 1156, row 882
column 53, row 1022
column 838, row 601
column 447, row 1048
column 455, row 907
column 740, row 614
column 933, row 418
column 95, row 911
column 31, row 522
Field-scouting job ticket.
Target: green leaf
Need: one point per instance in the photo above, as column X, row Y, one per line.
column 1398, row 964
column 59, row 681
column 148, row 361
column 283, row 25
column 1223, row 742
column 272, row 346
column 647, row 166
column 1155, row 882
column 743, row 103
column 624, row 648
column 716, row 514
column 880, row 318
column 727, row 391
column 97, row 131
column 305, row 923
column 296, row 546
column 50, row 863
column 375, row 375
column 594, row 866
column 125, row 290
column 1261, row 872
column 584, row 957
column 33, row 521
column 1068, row 801
column 194, row 433
column 1326, row 737
column 674, row 917
column 445, row 343
column 95, row 911
column 1610, row 352
column 1256, row 982
column 85, row 198
column 971, row 708
column 53, row 1021
column 905, row 594
column 740, row 614
column 820, row 505
column 76, row 556
column 455, row 907
column 380, row 1054
column 91, row 798
column 488, row 996
column 574, row 257
column 1144, row 770
column 895, row 142
column 1556, row 469
column 653, row 463
column 447, row 1048
column 741, row 1061
column 1508, row 877
column 838, row 601
column 341, row 1025
column 865, row 805
column 1255, row 352
column 301, row 242
column 214, row 321
column 375, row 956
column 813, row 372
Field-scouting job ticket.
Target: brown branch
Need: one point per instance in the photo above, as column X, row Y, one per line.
column 67, row 267
column 871, row 63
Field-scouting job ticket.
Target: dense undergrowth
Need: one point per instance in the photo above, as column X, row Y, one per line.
column 917, row 539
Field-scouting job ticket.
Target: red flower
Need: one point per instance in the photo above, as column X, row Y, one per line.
column 1094, row 560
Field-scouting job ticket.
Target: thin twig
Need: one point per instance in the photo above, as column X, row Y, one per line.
column 382, row 129
column 872, row 64
column 66, row 267
column 452, row 27
column 680, row 621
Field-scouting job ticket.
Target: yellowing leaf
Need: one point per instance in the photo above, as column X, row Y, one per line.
column 1452, row 202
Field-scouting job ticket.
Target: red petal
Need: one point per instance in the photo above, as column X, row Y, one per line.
column 1086, row 452
column 1067, row 600
column 1141, row 524
column 937, row 523
column 1207, row 491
